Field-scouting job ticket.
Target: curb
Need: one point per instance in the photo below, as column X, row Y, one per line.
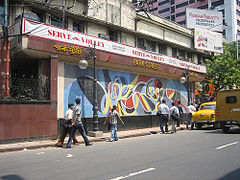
column 100, row 139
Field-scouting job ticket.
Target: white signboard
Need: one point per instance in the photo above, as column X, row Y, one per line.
column 33, row 28
column 206, row 19
column 208, row 40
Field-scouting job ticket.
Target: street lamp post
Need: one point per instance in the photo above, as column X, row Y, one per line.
column 83, row 65
column 183, row 79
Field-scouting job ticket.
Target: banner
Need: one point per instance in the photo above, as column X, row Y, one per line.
column 205, row 19
column 208, row 40
column 33, row 28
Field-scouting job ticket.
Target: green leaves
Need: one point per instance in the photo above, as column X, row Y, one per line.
column 224, row 71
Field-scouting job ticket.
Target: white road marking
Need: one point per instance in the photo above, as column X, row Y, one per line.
column 69, row 155
column 226, row 145
column 134, row 174
column 40, row 153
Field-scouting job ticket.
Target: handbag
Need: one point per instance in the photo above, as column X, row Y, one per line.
column 109, row 125
column 175, row 116
column 67, row 123
column 159, row 113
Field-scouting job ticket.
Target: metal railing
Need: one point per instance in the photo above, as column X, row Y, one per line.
column 24, row 88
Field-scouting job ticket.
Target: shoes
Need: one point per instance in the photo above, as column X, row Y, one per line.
column 58, row 145
column 162, row 132
column 90, row 144
column 116, row 139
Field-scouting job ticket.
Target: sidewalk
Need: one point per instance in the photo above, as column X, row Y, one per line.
column 51, row 143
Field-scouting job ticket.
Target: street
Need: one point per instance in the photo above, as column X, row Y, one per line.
column 187, row 155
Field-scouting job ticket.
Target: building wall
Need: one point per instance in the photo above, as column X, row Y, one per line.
column 134, row 94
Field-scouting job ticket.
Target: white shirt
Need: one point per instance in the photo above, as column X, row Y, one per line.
column 163, row 108
column 190, row 109
column 77, row 111
column 69, row 114
column 174, row 108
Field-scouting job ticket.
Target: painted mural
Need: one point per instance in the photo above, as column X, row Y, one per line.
column 133, row 94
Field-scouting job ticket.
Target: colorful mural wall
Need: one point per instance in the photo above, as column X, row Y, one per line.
column 133, row 94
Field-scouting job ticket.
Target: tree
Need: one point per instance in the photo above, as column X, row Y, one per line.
column 224, row 71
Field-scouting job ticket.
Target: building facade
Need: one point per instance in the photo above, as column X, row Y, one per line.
column 140, row 60
column 175, row 10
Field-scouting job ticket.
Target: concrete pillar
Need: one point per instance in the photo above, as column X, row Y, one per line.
column 53, row 78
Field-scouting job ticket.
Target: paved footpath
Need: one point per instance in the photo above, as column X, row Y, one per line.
column 51, row 143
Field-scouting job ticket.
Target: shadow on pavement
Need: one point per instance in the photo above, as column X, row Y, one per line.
column 234, row 175
column 219, row 131
column 11, row 177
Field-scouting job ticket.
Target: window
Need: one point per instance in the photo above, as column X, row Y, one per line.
column 172, row 2
column 173, row 9
column 203, row 7
column 56, row 21
column 182, row 22
column 151, row 46
column 218, row 3
column 163, row 11
column 189, row 56
column 162, row 48
column 231, row 99
column 191, row 1
column 181, row 54
column 199, row 59
column 174, row 52
column 238, row 22
column 238, row 12
column 79, row 26
column 180, row 14
column 140, row 43
column 1, row 12
column 182, row 5
column 168, row 17
column 208, row 106
column 163, row 2
column 40, row 14
column 172, row 17
column 113, row 34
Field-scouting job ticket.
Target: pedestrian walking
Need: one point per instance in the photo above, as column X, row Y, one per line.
column 174, row 113
column 77, row 125
column 163, row 112
column 67, row 127
column 180, row 109
column 112, row 118
column 190, row 110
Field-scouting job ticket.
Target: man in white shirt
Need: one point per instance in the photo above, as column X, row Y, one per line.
column 190, row 110
column 67, row 126
column 163, row 110
column 174, row 112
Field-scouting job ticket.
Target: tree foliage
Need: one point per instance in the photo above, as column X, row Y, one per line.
column 224, row 71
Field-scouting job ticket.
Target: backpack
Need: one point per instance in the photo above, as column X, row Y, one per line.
column 175, row 116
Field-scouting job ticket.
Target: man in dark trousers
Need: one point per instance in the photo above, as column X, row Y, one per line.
column 163, row 110
column 77, row 125
column 66, row 126
column 180, row 113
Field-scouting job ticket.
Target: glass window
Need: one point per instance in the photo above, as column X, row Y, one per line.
column 113, row 34
column 163, row 2
column 172, row 2
column 208, row 106
column 78, row 27
column 172, row 17
column 1, row 12
column 163, row 11
column 162, row 48
column 182, row 5
column 174, row 52
column 173, row 9
column 55, row 21
column 180, row 14
column 231, row 99
column 140, row 43
column 192, row 1
column 151, row 46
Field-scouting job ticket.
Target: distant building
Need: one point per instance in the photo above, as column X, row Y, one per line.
column 175, row 10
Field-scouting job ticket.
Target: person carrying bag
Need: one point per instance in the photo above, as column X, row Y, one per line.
column 174, row 112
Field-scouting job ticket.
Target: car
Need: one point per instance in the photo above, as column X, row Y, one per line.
column 205, row 115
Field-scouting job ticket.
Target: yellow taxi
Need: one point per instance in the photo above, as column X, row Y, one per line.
column 205, row 115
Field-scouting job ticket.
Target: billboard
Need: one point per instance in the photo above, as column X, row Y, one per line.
column 206, row 19
column 208, row 40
